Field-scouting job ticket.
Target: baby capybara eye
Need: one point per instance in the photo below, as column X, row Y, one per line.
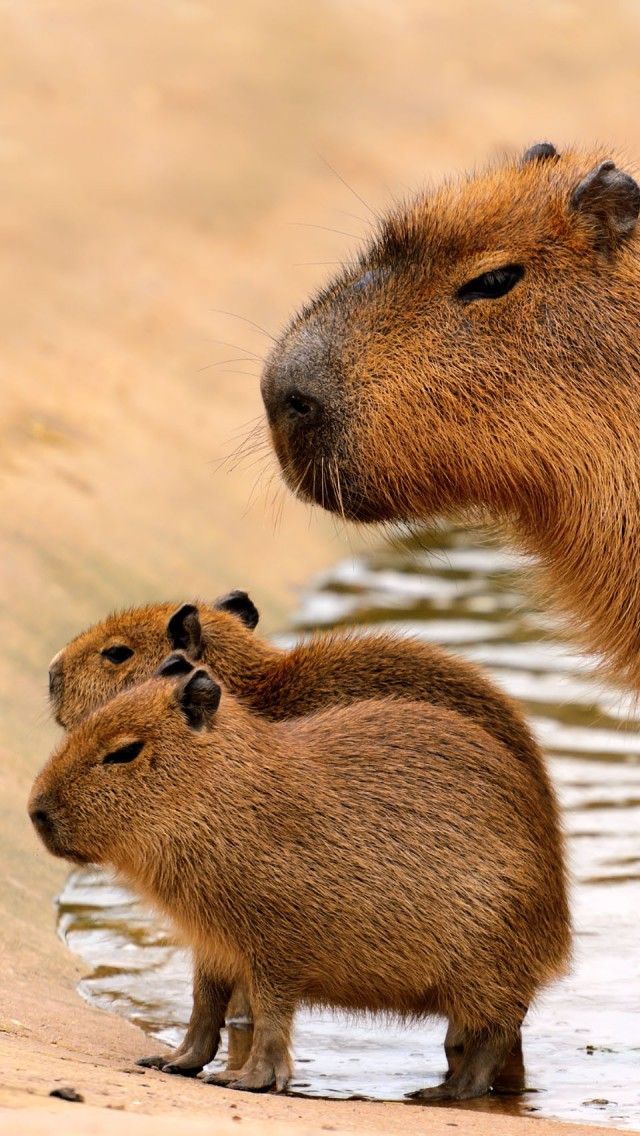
column 117, row 654
column 491, row 285
column 124, row 754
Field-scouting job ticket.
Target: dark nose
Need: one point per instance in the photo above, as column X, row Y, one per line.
column 40, row 814
column 290, row 392
column 56, row 680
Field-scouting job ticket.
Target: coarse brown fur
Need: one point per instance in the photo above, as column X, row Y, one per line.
column 329, row 669
column 396, row 395
column 386, row 857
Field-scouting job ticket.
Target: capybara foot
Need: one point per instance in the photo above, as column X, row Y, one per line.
column 185, row 1062
column 156, row 1062
column 187, row 1065
column 221, row 1076
column 482, row 1057
column 255, row 1077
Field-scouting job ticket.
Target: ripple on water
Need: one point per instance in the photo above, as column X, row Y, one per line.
column 582, row 1041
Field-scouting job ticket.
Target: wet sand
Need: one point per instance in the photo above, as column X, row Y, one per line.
column 156, row 168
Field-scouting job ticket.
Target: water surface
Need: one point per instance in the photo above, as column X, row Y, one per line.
column 582, row 1040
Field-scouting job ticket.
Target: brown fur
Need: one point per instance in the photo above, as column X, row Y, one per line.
column 387, row 856
column 330, row 669
column 523, row 409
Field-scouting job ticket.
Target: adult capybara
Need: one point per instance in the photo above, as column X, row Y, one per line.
column 481, row 356
column 387, row 856
column 329, row 669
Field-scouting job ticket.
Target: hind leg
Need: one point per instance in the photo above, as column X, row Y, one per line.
column 483, row 1055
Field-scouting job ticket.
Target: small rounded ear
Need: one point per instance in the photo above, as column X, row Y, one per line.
column 238, row 603
column 184, row 631
column 611, row 199
column 199, row 698
column 539, row 152
column 176, row 664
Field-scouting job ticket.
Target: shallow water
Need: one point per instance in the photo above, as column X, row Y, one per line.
column 582, row 1040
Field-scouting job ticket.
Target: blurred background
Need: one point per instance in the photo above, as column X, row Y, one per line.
column 176, row 177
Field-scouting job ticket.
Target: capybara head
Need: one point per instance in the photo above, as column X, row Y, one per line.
column 97, row 799
column 471, row 356
column 127, row 647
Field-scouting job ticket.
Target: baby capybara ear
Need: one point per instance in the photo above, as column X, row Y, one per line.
column 176, row 664
column 610, row 199
column 238, row 603
column 539, row 152
column 199, row 698
column 184, row 631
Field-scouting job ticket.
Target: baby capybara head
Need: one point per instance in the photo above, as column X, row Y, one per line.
column 473, row 348
column 128, row 646
column 97, row 798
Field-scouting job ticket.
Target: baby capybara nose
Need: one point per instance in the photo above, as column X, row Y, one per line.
column 40, row 814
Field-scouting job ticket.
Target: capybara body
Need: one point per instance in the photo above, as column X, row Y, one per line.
column 481, row 358
column 330, row 669
column 387, row 856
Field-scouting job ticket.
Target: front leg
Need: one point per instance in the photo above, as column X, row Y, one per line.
column 201, row 1041
column 268, row 1065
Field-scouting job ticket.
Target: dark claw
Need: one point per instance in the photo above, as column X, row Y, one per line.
column 181, row 1070
column 152, row 1062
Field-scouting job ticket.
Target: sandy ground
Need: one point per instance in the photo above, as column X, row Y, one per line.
column 162, row 164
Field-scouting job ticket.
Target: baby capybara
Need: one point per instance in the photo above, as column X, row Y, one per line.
column 481, row 356
column 386, row 857
column 328, row 669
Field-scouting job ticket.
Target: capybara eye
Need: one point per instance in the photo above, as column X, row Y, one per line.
column 491, row 285
column 117, row 654
column 124, row 754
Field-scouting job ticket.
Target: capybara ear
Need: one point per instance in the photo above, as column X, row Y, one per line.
column 611, row 199
column 539, row 152
column 176, row 664
column 199, row 698
column 184, row 631
column 238, row 603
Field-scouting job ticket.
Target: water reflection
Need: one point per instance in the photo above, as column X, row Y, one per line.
column 582, row 1041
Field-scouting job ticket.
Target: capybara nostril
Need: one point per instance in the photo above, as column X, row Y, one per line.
column 301, row 408
column 40, row 816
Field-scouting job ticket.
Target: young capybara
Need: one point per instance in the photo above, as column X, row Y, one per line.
column 481, row 356
column 386, row 856
column 329, row 669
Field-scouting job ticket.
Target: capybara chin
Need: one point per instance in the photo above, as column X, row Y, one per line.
column 481, row 357
column 386, row 856
column 329, row 669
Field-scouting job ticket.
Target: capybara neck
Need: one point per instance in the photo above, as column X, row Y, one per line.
column 240, row 658
column 480, row 359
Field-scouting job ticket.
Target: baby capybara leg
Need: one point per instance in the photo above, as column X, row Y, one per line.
column 511, row 1077
column 268, row 1065
column 453, row 1047
column 483, row 1055
column 201, row 1041
column 239, row 1028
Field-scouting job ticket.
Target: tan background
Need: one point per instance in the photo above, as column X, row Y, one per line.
column 159, row 161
